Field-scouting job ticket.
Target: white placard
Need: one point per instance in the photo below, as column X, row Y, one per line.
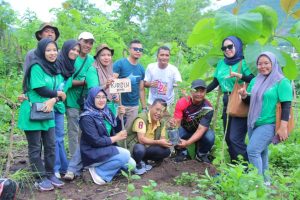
column 121, row 85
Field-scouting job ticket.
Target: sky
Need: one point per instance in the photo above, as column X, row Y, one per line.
column 42, row 7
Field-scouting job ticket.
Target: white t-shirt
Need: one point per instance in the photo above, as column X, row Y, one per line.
column 166, row 79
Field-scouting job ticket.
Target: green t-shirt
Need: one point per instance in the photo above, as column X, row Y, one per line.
column 223, row 71
column 38, row 78
column 280, row 92
column 92, row 79
column 108, row 127
column 73, row 93
column 60, row 106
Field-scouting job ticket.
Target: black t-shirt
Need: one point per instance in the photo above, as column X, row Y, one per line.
column 194, row 115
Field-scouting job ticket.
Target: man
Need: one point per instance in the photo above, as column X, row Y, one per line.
column 46, row 30
column 82, row 64
column 194, row 114
column 161, row 77
column 131, row 69
column 150, row 142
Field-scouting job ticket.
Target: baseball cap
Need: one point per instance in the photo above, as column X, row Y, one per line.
column 198, row 83
column 86, row 36
column 101, row 47
column 46, row 25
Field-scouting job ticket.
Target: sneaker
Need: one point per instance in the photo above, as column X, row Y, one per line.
column 56, row 182
column 96, row 178
column 202, row 158
column 57, row 174
column 139, row 171
column 44, row 185
column 267, row 183
column 146, row 166
column 69, row 176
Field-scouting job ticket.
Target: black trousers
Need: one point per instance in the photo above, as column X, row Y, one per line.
column 35, row 140
column 236, row 133
column 153, row 152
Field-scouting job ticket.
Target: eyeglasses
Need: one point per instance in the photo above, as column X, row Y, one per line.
column 227, row 47
column 138, row 49
column 263, row 64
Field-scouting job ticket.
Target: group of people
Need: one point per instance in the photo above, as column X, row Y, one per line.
column 106, row 131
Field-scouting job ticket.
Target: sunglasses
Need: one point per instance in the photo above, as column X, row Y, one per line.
column 137, row 49
column 227, row 47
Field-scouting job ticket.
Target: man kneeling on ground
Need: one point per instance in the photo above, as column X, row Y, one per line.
column 193, row 114
column 150, row 143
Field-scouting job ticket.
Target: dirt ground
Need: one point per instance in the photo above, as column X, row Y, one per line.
column 84, row 189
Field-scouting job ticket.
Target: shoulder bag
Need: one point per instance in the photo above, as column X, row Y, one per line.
column 236, row 107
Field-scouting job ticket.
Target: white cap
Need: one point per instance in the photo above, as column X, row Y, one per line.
column 86, row 36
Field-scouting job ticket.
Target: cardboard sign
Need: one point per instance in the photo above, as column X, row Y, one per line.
column 121, row 85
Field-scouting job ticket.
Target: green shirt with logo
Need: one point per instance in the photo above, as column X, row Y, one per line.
column 38, row 78
column 280, row 92
column 223, row 72
column 74, row 93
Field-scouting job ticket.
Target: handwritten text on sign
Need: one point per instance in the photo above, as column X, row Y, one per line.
column 120, row 86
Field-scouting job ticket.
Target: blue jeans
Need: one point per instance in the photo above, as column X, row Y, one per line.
column 259, row 140
column 61, row 161
column 109, row 168
column 75, row 164
column 205, row 143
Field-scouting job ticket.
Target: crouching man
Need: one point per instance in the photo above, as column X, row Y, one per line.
column 147, row 140
column 193, row 115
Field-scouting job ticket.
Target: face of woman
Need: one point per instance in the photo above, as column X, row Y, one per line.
column 51, row 52
column 74, row 52
column 105, row 57
column 264, row 65
column 100, row 100
column 228, row 48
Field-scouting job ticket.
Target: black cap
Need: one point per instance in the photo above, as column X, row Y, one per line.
column 198, row 83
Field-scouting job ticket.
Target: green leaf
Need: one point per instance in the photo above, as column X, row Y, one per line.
column 296, row 14
column 130, row 187
column 290, row 69
column 296, row 28
column 199, row 68
column 124, row 174
column 135, row 177
column 294, row 41
column 288, row 5
column 247, row 26
column 202, row 33
column 253, row 50
column 270, row 21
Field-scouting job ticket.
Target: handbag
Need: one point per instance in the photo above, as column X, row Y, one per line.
column 291, row 122
column 37, row 114
column 236, row 107
column 36, row 111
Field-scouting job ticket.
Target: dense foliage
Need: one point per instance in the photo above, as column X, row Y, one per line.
column 194, row 37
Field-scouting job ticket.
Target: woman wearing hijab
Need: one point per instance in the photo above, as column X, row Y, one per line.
column 65, row 64
column 100, row 132
column 39, row 85
column 267, row 89
column 225, row 76
column 101, row 74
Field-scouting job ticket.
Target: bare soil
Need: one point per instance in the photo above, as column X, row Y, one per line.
column 83, row 188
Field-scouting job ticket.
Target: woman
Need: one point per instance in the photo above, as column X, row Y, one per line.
column 101, row 74
column 39, row 86
column 225, row 76
column 98, row 139
column 64, row 63
column 267, row 89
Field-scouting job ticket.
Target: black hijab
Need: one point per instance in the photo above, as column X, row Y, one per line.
column 63, row 62
column 40, row 59
column 238, row 45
